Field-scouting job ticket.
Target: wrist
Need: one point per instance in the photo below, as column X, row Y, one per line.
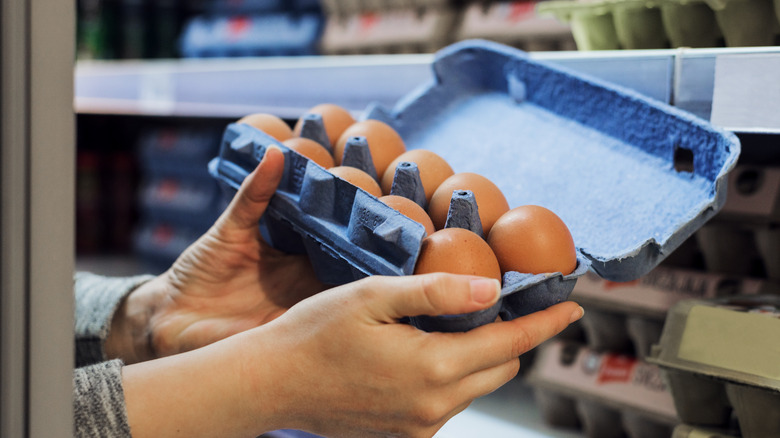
column 129, row 338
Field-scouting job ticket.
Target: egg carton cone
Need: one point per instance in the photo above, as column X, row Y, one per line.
column 604, row 394
column 688, row 431
column 754, row 195
column 777, row 9
column 746, row 22
column 741, row 248
column 720, row 356
column 618, row 332
column 655, row 24
column 523, row 125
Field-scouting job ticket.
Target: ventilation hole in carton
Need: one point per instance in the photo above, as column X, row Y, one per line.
column 748, row 181
column 462, row 192
column 683, row 160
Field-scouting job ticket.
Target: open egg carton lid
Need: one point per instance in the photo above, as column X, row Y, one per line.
column 631, row 177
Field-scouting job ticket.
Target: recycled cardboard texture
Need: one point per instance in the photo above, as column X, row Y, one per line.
column 601, row 157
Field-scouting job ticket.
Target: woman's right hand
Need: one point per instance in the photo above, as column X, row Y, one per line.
column 352, row 370
column 341, row 364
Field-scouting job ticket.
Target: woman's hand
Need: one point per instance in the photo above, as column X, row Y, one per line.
column 226, row 282
column 340, row 364
column 352, row 370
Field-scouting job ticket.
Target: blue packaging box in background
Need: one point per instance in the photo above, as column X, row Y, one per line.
column 631, row 177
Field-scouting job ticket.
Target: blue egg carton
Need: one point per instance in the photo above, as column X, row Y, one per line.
column 277, row 34
column 631, row 177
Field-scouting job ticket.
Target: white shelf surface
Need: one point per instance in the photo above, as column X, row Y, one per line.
column 509, row 412
column 287, row 86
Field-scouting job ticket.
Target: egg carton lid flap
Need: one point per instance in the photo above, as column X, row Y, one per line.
column 631, row 177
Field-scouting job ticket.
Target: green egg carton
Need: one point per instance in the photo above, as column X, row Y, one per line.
column 658, row 24
column 688, row 431
column 721, row 356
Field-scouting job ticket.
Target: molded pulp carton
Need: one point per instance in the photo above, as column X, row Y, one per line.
column 606, row 394
column 745, row 237
column 656, row 24
column 515, row 23
column 601, row 157
column 629, row 316
column 739, row 372
column 686, row 431
column 395, row 30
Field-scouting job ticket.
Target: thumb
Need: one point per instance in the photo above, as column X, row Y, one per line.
column 431, row 294
column 252, row 198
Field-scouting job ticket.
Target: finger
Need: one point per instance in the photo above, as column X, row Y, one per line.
column 256, row 191
column 485, row 381
column 391, row 298
column 497, row 343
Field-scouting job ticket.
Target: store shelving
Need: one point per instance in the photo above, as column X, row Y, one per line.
column 287, row 86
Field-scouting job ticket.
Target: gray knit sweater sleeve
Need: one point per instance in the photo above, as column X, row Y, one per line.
column 97, row 298
column 98, row 399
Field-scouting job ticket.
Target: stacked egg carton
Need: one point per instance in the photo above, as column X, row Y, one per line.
column 730, row 383
column 516, row 23
column 253, row 28
column 387, row 26
column 656, row 24
column 622, row 322
column 745, row 237
column 178, row 199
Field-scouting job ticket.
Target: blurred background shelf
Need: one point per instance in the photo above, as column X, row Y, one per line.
column 287, row 86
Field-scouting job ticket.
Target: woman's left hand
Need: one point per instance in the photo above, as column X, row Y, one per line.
column 228, row 281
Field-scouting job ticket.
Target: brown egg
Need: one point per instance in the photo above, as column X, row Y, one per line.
column 433, row 170
column 533, row 240
column 457, row 251
column 335, row 118
column 491, row 203
column 270, row 124
column 384, row 143
column 311, row 150
column 358, row 178
column 410, row 209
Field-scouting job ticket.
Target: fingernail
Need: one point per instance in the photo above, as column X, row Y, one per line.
column 577, row 314
column 485, row 290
